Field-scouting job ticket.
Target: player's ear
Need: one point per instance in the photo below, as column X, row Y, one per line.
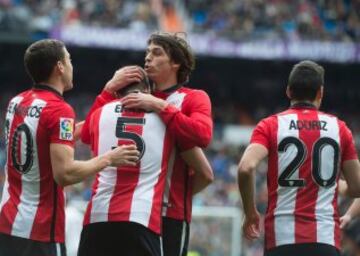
column 176, row 65
column 320, row 93
column 60, row 67
column 288, row 92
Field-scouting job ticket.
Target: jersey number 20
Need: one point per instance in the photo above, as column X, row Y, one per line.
column 316, row 154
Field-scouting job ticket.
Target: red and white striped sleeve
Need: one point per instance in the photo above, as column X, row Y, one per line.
column 347, row 144
column 261, row 133
column 60, row 124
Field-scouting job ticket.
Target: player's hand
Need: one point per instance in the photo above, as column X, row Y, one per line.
column 123, row 77
column 144, row 101
column 344, row 220
column 251, row 226
column 124, row 155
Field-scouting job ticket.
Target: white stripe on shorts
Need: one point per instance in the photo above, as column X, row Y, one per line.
column 183, row 236
column 58, row 249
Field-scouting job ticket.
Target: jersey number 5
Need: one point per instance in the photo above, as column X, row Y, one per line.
column 122, row 134
column 285, row 180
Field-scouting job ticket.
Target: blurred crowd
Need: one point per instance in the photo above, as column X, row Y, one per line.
column 329, row 20
column 324, row 20
column 38, row 18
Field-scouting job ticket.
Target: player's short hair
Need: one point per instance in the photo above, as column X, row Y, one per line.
column 178, row 50
column 142, row 86
column 41, row 57
column 305, row 79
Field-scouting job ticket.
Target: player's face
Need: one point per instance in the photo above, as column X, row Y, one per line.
column 158, row 64
column 68, row 72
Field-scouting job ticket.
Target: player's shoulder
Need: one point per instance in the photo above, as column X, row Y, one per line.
column 55, row 103
column 192, row 91
column 20, row 95
column 270, row 119
column 110, row 104
column 56, row 106
column 52, row 101
column 340, row 122
column 327, row 114
column 113, row 106
column 113, row 102
column 192, row 97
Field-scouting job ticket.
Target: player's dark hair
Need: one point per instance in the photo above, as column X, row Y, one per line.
column 179, row 52
column 143, row 85
column 305, row 79
column 41, row 57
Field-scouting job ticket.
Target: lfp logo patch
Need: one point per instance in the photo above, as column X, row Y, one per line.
column 66, row 128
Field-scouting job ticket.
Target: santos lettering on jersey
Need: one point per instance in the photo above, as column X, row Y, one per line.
column 31, row 111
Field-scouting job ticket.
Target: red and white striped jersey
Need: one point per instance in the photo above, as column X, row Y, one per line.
column 194, row 121
column 32, row 204
column 129, row 193
column 306, row 151
column 188, row 119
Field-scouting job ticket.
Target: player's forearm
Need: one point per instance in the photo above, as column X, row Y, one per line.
column 195, row 129
column 200, row 182
column 246, row 181
column 203, row 173
column 354, row 209
column 77, row 171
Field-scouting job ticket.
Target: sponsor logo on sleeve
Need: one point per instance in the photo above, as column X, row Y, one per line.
column 66, row 128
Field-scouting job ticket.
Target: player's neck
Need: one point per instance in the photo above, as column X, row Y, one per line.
column 165, row 83
column 55, row 84
column 314, row 103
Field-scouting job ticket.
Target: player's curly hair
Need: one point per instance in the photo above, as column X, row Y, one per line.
column 178, row 50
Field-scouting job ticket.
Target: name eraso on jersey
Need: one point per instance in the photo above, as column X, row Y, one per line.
column 31, row 111
column 118, row 108
column 308, row 125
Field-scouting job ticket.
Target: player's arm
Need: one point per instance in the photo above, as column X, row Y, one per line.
column 253, row 154
column 120, row 79
column 203, row 173
column 67, row 170
column 350, row 163
column 193, row 129
column 353, row 211
column 351, row 172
